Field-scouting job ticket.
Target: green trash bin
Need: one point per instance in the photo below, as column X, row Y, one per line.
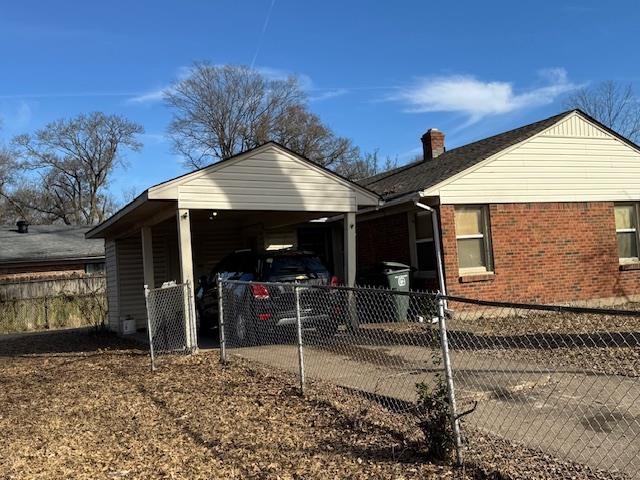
column 397, row 278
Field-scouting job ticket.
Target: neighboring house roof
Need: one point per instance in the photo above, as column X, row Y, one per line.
column 48, row 243
column 423, row 174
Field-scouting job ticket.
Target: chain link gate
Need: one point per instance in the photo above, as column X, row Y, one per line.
column 170, row 321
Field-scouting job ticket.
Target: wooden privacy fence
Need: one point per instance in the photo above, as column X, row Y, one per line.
column 51, row 304
column 49, row 287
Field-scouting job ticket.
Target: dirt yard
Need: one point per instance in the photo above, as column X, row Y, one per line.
column 85, row 406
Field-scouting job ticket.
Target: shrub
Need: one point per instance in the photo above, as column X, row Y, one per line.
column 434, row 415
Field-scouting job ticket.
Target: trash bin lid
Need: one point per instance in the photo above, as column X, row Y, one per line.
column 395, row 265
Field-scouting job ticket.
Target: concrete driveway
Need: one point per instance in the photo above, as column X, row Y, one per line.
column 577, row 416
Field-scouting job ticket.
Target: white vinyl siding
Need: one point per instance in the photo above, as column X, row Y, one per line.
column 269, row 179
column 473, row 238
column 111, row 266
column 131, row 280
column 574, row 161
column 626, row 215
column 280, row 238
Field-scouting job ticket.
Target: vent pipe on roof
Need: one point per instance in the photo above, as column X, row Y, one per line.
column 23, row 226
column 432, row 144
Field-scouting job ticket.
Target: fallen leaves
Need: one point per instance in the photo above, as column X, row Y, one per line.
column 87, row 407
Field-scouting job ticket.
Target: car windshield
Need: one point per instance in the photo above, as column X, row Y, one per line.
column 235, row 266
column 292, row 265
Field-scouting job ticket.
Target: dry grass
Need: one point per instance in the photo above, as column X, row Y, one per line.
column 82, row 406
column 69, row 411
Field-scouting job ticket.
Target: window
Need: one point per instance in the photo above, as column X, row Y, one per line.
column 627, row 231
column 92, row 268
column 425, row 246
column 473, row 239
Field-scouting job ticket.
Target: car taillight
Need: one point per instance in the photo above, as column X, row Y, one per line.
column 335, row 281
column 264, row 316
column 259, row 291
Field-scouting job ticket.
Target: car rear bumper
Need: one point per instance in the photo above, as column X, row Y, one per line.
column 306, row 319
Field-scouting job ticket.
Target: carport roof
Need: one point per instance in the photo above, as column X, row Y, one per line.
column 168, row 190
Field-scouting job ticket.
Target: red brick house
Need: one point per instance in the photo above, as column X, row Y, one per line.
column 547, row 212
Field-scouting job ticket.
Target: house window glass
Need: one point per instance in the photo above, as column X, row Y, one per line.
column 92, row 268
column 473, row 239
column 627, row 232
column 425, row 246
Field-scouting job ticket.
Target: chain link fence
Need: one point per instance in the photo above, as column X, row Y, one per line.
column 38, row 305
column 170, row 325
column 558, row 380
column 564, row 380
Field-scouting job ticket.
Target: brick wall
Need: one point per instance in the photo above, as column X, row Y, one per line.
column 545, row 252
column 384, row 238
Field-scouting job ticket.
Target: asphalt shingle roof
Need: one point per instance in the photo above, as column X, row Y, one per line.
column 424, row 174
column 46, row 243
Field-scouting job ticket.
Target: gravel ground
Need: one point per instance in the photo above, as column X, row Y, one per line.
column 75, row 405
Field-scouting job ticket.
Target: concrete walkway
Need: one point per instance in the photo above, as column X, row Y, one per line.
column 576, row 416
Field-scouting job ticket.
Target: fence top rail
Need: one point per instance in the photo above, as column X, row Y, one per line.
column 543, row 307
column 432, row 295
column 451, row 298
column 165, row 287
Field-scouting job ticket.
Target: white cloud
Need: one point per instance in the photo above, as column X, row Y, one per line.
column 15, row 116
column 327, row 94
column 153, row 137
column 304, row 81
column 467, row 95
column 156, row 95
column 149, row 97
column 270, row 73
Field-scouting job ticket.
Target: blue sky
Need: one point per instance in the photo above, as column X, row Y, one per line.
column 380, row 73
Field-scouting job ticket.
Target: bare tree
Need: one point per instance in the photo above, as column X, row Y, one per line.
column 219, row 111
column 68, row 165
column 613, row 104
column 367, row 166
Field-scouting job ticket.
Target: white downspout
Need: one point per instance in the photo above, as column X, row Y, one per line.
column 436, row 239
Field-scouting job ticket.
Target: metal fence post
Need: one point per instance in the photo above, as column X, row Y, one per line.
column 446, row 360
column 46, row 312
column 296, row 290
column 192, row 318
column 188, row 335
column 223, row 343
column 146, row 300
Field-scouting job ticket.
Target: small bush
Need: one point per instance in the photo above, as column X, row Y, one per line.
column 434, row 416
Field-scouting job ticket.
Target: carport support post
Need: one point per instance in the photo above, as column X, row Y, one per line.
column 448, row 372
column 147, row 256
column 296, row 290
column 186, row 271
column 350, row 264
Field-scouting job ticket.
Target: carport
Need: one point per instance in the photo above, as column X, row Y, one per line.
column 179, row 229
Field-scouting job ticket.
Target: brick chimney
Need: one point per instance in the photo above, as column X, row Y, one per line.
column 432, row 144
column 23, row 226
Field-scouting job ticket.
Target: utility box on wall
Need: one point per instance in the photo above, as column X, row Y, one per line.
column 128, row 325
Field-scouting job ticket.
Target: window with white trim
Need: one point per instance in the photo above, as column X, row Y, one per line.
column 473, row 238
column 627, row 231
column 425, row 245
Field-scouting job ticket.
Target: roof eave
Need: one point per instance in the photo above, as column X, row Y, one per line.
column 52, row 260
